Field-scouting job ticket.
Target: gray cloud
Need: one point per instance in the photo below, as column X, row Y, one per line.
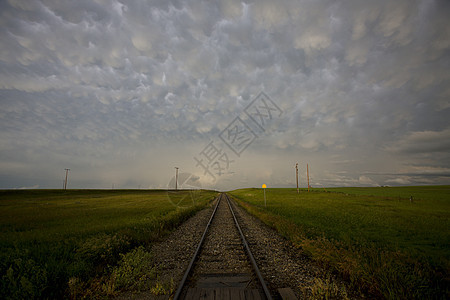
column 117, row 88
column 423, row 142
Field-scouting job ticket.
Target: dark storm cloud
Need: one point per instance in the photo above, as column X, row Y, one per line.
column 117, row 86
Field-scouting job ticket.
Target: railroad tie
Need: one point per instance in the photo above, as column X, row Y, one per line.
column 287, row 294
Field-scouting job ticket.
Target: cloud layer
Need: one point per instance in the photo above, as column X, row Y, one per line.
column 121, row 92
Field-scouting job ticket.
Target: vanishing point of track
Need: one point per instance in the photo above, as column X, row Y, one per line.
column 222, row 266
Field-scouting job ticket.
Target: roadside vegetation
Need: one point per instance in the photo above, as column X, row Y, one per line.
column 86, row 243
column 382, row 243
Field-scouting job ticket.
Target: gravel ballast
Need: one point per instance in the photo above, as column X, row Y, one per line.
column 281, row 264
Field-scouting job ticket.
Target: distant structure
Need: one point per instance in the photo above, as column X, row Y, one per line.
column 176, row 178
column 296, row 174
column 65, row 182
column 307, row 174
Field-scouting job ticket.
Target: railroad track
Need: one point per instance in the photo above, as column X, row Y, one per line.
column 223, row 266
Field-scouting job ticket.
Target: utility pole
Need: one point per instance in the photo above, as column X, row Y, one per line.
column 176, row 178
column 307, row 174
column 296, row 175
column 65, row 183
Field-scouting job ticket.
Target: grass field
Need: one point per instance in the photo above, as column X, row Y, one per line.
column 53, row 242
column 382, row 243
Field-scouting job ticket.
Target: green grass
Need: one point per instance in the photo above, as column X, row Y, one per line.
column 49, row 237
column 375, row 237
column 432, row 193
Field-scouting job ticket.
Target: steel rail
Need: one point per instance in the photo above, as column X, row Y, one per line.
column 249, row 253
column 244, row 242
column 189, row 268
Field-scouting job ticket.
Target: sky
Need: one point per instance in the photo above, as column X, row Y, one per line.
column 233, row 93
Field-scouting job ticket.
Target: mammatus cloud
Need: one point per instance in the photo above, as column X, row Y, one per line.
column 123, row 91
column 423, row 142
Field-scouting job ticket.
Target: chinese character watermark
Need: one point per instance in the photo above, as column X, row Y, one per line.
column 237, row 136
column 262, row 110
column 213, row 161
column 189, row 189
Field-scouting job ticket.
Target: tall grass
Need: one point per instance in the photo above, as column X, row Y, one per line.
column 377, row 239
column 51, row 237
